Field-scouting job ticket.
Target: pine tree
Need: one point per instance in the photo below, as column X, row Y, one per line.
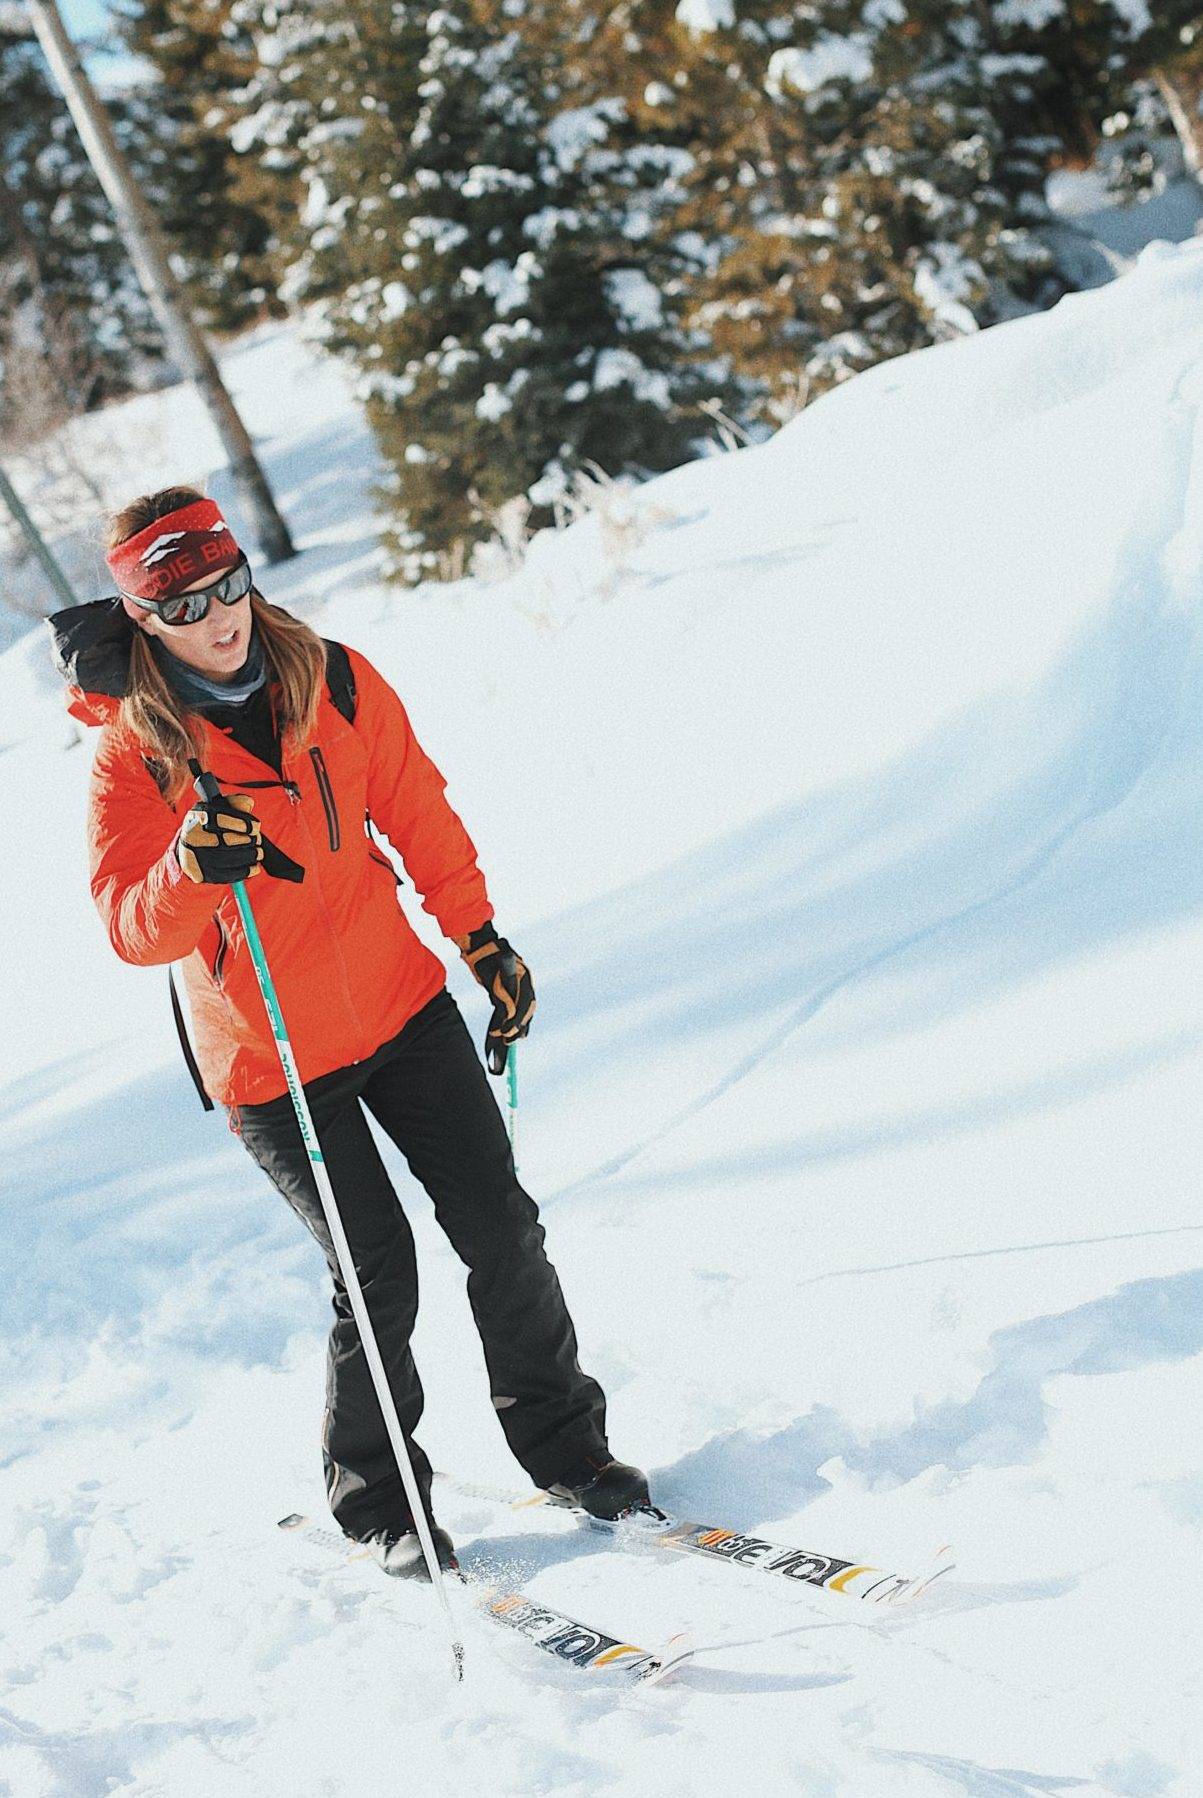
column 475, row 243
column 939, row 185
column 221, row 210
column 765, row 92
column 684, row 120
column 881, row 187
column 74, row 328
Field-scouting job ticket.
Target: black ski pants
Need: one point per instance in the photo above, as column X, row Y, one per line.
column 427, row 1089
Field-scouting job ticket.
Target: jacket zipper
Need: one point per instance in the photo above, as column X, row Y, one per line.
column 327, row 793
column 246, row 786
column 219, row 960
column 374, row 854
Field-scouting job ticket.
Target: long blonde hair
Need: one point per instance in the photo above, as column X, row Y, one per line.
column 151, row 711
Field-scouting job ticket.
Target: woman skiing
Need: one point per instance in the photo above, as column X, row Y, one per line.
column 310, row 745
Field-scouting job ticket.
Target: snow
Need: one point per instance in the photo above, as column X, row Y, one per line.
column 1136, row 13
column 482, row 179
column 544, row 224
column 395, row 299
column 443, row 235
column 1032, row 15
column 846, row 803
column 829, row 59
column 1171, row 216
column 701, row 17
column 994, row 68
column 493, row 403
column 943, row 279
column 613, row 368
column 635, row 298
column 508, row 283
column 576, row 130
column 877, row 14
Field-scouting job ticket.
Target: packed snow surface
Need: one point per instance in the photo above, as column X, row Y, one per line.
column 845, row 796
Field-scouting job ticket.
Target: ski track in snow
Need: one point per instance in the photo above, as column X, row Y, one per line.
column 901, row 979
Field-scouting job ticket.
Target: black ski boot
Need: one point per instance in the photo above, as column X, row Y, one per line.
column 399, row 1552
column 606, row 1490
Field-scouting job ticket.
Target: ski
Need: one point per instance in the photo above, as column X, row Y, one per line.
column 569, row 1640
column 652, row 1527
column 856, row 1579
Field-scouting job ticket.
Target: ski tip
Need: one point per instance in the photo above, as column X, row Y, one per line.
column 676, row 1653
column 941, row 1563
column 293, row 1521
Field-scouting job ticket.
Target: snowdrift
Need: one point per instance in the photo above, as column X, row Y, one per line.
column 844, row 795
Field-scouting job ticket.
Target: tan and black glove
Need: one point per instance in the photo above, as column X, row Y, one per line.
column 220, row 841
column 506, row 978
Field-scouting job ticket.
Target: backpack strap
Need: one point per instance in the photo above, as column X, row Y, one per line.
column 340, row 679
column 177, row 1012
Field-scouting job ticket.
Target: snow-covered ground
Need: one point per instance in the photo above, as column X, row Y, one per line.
column 845, row 796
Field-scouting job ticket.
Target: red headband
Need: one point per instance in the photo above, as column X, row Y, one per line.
column 174, row 552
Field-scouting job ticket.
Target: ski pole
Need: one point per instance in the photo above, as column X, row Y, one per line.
column 511, row 1095
column 206, row 785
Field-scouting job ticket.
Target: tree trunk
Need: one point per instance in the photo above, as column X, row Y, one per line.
column 148, row 252
column 1181, row 92
column 36, row 542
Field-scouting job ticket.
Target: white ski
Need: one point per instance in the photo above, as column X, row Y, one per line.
column 652, row 1527
column 568, row 1640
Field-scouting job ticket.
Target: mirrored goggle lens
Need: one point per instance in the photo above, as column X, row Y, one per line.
column 190, row 608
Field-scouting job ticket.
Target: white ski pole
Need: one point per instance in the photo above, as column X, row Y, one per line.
column 207, row 787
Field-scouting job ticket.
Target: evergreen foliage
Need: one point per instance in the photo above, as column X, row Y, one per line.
column 1160, row 103
column 871, row 179
column 74, row 328
column 550, row 235
column 478, row 247
column 221, row 211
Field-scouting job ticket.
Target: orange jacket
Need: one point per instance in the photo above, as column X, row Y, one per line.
column 348, row 969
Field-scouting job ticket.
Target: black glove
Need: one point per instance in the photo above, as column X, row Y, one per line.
column 220, row 841
column 506, row 979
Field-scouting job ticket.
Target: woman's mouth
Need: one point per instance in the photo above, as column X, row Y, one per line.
column 230, row 638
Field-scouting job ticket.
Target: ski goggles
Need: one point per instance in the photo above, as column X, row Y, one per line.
column 190, row 608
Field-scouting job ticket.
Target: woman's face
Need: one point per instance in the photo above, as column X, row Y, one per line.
column 216, row 646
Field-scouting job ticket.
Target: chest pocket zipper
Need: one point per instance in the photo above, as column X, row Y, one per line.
column 327, row 793
column 219, row 960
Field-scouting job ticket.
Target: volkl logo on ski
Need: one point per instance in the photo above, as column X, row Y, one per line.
column 751, row 1551
column 576, row 1642
column 856, row 1578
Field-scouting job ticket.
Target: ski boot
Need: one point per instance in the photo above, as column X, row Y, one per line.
column 399, row 1552
column 607, row 1490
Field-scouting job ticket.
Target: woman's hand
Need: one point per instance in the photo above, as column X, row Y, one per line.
column 506, row 979
column 220, row 841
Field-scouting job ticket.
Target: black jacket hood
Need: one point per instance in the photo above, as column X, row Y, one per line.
column 91, row 647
